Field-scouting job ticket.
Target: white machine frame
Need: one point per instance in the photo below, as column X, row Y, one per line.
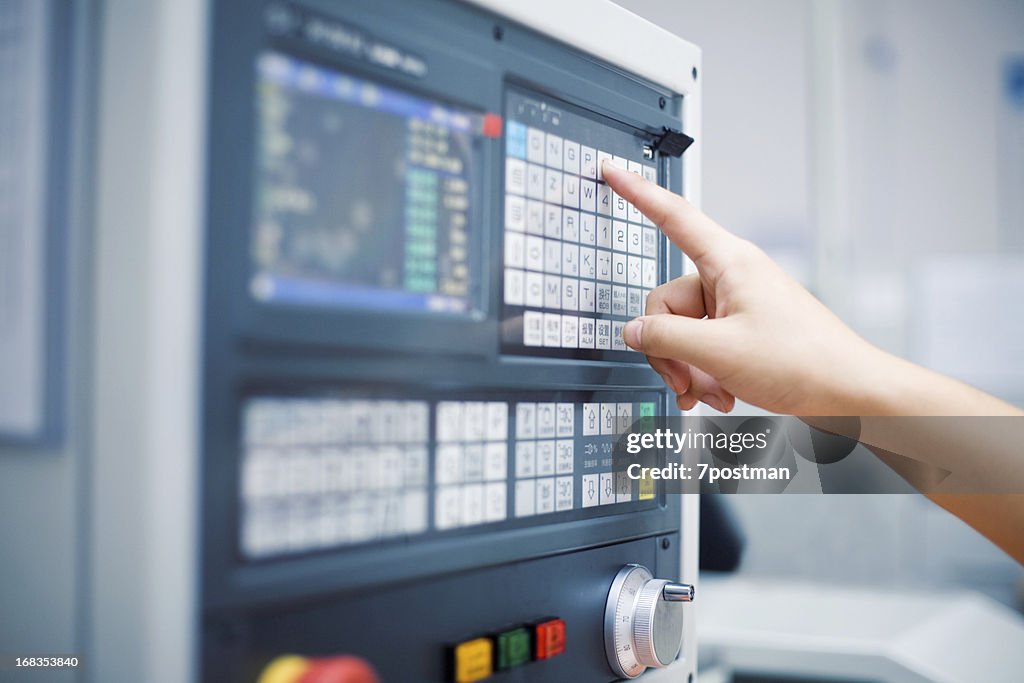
column 149, row 216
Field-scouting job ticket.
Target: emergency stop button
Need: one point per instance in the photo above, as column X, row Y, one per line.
column 474, row 660
column 549, row 636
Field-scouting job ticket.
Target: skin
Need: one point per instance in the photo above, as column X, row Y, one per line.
column 740, row 327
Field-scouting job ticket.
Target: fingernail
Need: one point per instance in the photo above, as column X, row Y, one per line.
column 713, row 401
column 632, row 332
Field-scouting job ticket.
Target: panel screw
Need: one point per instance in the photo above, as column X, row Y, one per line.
column 662, row 102
column 499, row 32
column 666, row 544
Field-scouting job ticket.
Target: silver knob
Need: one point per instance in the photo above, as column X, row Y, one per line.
column 678, row 592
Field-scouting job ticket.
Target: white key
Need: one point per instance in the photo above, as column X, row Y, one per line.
column 571, row 157
column 417, row 421
column 619, row 300
column 588, row 262
column 588, row 195
column 553, row 152
column 604, row 200
column 570, row 225
column 634, row 270
column 545, row 458
column 553, row 186
column 634, row 302
column 650, row 248
column 570, row 260
column 634, row 167
column 591, row 419
column 601, row 158
column 474, row 423
column 563, row 493
column 448, row 507
column 570, row 332
column 588, row 297
column 619, row 268
column 619, row 161
column 634, row 243
column 552, row 291
column 604, row 233
column 515, row 249
column 526, row 459
column 633, row 213
column 588, row 229
column 497, row 421
column 533, row 328
column 414, row 466
column 620, row 235
column 604, row 265
column 515, row 176
column 535, row 145
column 449, row 421
column 534, row 217
column 474, row 462
column 553, row 256
column 591, row 490
column 449, row 464
column 534, row 253
column 650, row 173
column 545, row 495
column 607, row 419
column 650, row 273
column 515, row 213
column 496, row 461
column 586, row 333
column 623, row 488
column 552, row 330
column 534, row 181
column 620, row 207
column 604, row 334
column 526, row 421
column 414, row 512
column 566, row 413
column 472, row 504
column 564, row 456
column 525, row 497
column 552, row 221
column 571, row 191
column 607, row 491
column 604, row 299
column 618, row 343
column 545, row 420
column 534, row 290
column 588, row 162
column 570, row 294
column 514, row 284
column 495, row 505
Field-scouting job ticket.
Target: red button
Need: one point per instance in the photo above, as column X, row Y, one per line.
column 341, row 669
column 549, row 636
column 492, row 126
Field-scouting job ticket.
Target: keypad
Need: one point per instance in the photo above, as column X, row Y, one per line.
column 319, row 473
column 576, row 254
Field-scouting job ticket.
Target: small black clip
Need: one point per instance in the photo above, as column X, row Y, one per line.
column 672, row 142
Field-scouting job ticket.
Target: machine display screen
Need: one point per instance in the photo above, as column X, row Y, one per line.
column 364, row 194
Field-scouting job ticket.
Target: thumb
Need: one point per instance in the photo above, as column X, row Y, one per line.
column 699, row 341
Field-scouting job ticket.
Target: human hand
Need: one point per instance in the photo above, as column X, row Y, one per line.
column 740, row 326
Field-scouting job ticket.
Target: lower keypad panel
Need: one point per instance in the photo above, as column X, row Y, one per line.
column 318, row 473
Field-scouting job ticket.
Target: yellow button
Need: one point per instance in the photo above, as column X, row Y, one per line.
column 646, row 488
column 474, row 660
column 284, row 669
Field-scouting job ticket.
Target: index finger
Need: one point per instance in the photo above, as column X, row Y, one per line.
column 689, row 229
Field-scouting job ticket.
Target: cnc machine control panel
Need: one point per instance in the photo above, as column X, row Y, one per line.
column 414, row 373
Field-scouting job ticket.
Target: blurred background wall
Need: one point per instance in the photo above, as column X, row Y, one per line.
column 876, row 149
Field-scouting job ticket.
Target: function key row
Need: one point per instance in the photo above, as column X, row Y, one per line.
column 557, row 258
